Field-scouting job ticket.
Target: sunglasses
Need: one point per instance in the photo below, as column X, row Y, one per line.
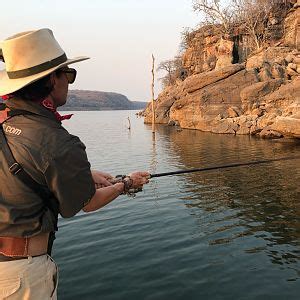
column 70, row 74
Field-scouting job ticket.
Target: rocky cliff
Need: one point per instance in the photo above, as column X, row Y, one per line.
column 96, row 100
column 229, row 90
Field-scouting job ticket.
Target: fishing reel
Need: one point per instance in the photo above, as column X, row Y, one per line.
column 129, row 190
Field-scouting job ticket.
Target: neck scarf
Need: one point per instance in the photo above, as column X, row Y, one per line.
column 48, row 105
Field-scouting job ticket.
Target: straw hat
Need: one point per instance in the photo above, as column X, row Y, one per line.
column 29, row 56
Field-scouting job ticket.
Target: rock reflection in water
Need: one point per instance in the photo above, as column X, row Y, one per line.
column 258, row 204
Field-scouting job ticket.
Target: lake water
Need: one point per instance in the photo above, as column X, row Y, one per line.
column 229, row 234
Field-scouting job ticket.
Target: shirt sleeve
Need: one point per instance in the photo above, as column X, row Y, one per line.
column 69, row 177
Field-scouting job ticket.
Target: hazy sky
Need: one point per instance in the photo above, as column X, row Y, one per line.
column 119, row 36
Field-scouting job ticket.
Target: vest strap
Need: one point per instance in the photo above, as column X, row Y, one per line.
column 16, row 169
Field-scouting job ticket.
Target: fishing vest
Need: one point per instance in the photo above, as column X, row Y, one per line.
column 16, row 169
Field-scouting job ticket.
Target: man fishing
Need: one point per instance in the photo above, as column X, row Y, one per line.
column 44, row 170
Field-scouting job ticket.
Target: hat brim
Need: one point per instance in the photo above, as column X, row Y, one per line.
column 8, row 86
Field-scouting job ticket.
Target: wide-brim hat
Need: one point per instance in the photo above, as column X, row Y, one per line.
column 30, row 56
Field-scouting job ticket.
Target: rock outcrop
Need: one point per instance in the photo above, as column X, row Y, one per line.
column 225, row 93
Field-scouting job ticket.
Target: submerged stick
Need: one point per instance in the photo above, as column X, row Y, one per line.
column 224, row 166
column 129, row 124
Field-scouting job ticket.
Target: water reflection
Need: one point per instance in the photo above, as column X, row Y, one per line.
column 257, row 206
column 153, row 167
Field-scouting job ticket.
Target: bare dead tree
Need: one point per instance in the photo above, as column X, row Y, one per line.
column 152, row 100
column 187, row 36
column 177, row 63
column 168, row 66
column 253, row 15
column 173, row 68
column 215, row 13
column 250, row 15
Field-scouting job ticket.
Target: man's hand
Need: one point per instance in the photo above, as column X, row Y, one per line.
column 139, row 179
column 101, row 179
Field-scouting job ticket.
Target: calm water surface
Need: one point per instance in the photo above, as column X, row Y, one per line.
column 230, row 234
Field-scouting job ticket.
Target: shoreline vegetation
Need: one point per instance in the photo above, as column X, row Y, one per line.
column 237, row 73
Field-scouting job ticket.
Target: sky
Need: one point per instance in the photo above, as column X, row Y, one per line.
column 118, row 35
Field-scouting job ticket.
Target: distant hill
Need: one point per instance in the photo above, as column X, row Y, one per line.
column 95, row 100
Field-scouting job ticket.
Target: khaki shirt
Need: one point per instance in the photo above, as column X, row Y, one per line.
column 54, row 158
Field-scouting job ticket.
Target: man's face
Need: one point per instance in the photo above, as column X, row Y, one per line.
column 60, row 88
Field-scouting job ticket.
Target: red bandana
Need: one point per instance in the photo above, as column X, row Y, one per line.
column 48, row 104
column 5, row 97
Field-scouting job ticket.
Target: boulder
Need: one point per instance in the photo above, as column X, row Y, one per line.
column 253, row 94
column 255, row 61
column 289, row 58
column 198, row 110
column 197, row 82
column 270, row 55
column 243, row 129
column 292, row 66
column 291, row 28
column 232, row 112
column 224, row 54
column 278, row 72
column 162, row 106
column 225, row 127
column 254, row 130
column 291, row 72
column 223, row 61
column 265, row 74
column 287, row 126
column 270, row 134
column 173, row 123
column 285, row 95
column 257, row 112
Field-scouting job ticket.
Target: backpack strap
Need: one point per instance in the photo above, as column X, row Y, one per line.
column 19, row 112
column 16, row 169
column 7, row 113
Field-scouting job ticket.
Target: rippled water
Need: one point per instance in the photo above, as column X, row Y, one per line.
column 230, row 234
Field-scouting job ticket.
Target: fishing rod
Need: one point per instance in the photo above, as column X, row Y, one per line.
column 250, row 163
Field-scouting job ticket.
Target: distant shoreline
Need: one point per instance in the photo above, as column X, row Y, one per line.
column 82, row 100
column 99, row 101
column 62, row 108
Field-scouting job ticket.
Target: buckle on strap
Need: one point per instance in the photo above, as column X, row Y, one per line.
column 15, row 168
